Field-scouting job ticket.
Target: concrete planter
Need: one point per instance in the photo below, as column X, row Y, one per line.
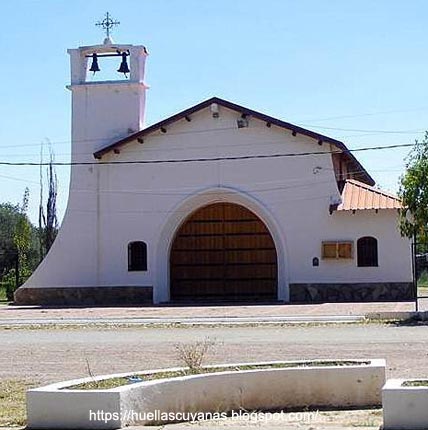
column 404, row 408
column 54, row 406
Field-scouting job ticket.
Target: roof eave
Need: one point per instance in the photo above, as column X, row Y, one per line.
column 366, row 209
column 243, row 110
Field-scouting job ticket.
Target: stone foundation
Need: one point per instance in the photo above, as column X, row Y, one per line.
column 84, row 296
column 361, row 292
column 299, row 293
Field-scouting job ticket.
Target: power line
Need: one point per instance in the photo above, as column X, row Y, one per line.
column 195, row 160
column 273, row 185
column 180, row 148
column 256, row 187
column 118, row 210
column 367, row 114
column 292, row 183
column 284, row 185
column 365, row 131
column 13, row 178
column 69, row 141
column 208, row 130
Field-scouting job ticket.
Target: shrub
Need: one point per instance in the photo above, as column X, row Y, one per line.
column 193, row 354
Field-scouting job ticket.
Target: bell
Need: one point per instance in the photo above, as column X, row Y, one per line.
column 123, row 68
column 94, row 66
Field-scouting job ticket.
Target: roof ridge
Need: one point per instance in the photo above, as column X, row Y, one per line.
column 244, row 111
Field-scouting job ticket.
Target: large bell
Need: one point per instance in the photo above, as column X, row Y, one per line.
column 94, row 66
column 123, row 68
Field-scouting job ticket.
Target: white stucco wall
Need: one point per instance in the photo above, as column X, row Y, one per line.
column 111, row 205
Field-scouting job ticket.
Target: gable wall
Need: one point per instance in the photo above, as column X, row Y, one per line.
column 148, row 202
column 296, row 198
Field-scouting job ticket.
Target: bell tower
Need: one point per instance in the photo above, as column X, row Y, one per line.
column 107, row 110
column 103, row 111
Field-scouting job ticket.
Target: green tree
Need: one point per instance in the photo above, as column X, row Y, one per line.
column 18, row 244
column 414, row 193
column 9, row 215
column 22, row 233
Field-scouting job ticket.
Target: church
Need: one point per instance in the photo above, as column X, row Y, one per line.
column 218, row 203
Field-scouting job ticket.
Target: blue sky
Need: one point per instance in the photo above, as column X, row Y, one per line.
column 331, row 66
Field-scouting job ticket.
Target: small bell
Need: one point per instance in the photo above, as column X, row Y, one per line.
column 123, row 68
column 94, row 66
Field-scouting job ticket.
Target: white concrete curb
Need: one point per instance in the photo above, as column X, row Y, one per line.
column 321, row 319
column 404, row 407
column 56, row 407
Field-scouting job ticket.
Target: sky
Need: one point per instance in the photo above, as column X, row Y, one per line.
column 354, row 70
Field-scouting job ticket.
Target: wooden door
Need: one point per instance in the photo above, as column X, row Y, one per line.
column 223, row 251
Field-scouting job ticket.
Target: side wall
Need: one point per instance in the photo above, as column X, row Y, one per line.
column 390, row 280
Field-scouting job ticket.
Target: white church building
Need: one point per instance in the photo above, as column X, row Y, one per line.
column 216, row 203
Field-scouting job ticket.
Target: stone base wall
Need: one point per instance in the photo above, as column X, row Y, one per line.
column 299, row 293
column 355, row 292
column 84, row 296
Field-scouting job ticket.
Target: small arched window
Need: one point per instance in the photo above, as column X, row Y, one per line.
column 367, row 252
column 137, row 256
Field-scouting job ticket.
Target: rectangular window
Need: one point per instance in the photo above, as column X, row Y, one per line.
column 329, row 250
column 345, row 249
column 337, row 250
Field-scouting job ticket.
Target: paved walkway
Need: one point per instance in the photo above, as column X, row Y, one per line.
column 245, row 314
column 335, row 319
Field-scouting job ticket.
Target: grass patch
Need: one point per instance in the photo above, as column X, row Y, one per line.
column 3, row 297
column 422, row 291
column 12, row 402
column 106, row 384
column 419, row 383
column 423, row 279
column 423, row 284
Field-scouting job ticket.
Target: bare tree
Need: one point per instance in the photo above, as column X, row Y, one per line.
column 48, row 221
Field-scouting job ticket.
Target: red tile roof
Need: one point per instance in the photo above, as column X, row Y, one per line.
column 359, row 196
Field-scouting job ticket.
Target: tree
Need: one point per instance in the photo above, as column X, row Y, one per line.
column 22, row 232
column 9, row 215
column 18, row 244
column 48, row 221
column 414, row 193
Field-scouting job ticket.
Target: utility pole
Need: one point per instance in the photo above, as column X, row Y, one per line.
column 415, row 271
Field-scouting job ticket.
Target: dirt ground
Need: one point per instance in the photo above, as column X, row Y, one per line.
column 48, row 355
column 319, row 420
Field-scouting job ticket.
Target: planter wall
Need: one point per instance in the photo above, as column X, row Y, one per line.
column 404, row 408
column 55, row 406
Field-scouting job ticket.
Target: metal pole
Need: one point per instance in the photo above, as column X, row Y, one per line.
column 17, row 271
column 415, row 272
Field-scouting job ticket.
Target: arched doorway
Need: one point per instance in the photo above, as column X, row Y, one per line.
column 223, row 251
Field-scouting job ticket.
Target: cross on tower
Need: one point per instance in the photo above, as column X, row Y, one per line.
column 107, row 24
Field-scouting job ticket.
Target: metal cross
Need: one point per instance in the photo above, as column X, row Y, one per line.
column 107, row 24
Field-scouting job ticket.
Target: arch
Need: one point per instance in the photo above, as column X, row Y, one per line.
column 223, row 251
column 367, row 252
column 202, row 198
column 137, row 256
